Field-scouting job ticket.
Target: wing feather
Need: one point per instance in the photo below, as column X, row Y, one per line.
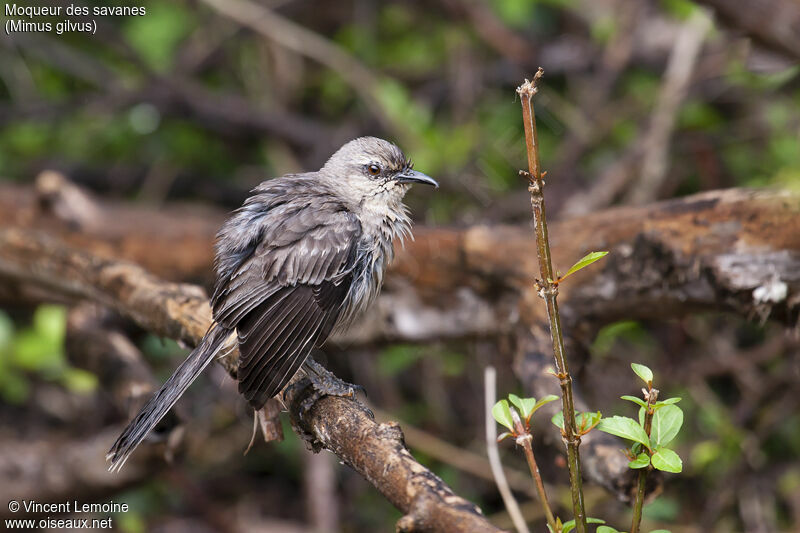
column 283, row 282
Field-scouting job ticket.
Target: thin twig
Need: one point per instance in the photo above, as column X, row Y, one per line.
column 650, row 396
column 548, row 290
column 525, row 439
column 489, row 377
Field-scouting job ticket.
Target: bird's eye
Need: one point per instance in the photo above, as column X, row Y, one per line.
column 374, row 169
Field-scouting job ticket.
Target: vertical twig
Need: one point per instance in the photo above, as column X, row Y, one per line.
column 525, row 439
column 650, row 396
column 548, row 290
column 489, row 377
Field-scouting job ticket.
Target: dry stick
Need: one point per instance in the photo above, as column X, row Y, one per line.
column 489, row 377
column 651, row 395
column 525, row 439
column 548, row 290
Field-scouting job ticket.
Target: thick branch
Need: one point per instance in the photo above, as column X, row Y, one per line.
column 378, row 452
column 182, row 312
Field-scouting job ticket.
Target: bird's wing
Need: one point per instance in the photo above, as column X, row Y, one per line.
column 284, row 298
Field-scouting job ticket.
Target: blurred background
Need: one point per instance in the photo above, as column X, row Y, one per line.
column 196, row 102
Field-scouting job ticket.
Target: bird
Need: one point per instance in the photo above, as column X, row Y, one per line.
column 304, row 256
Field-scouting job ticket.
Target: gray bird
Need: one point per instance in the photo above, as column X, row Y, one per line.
column 304, row 255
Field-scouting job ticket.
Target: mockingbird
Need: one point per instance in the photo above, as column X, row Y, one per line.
column 305, row 254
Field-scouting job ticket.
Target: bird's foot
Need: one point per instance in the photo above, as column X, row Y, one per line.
column 324, row 383
column 302, row 395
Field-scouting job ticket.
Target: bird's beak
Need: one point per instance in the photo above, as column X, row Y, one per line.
column 412, row 176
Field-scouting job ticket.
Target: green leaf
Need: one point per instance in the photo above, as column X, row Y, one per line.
column 667, row 460
column 570, row 525
column 607, row 529
column 585, row 261
column 586, row 421
column 643, row 372
column 667, row 421
column 661, row 531
column 544, row 401
column 642, row 460
column 624, row 427
column 502, row 413
column 559, row 525
column 526, row 406
column 668, row 401
column 582, row 420
column 634, row 399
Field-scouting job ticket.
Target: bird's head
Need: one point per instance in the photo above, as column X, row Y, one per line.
column 373, row 169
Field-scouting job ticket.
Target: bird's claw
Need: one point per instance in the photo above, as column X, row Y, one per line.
column 325, row 383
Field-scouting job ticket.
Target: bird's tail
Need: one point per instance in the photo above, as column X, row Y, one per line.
column 169, row 393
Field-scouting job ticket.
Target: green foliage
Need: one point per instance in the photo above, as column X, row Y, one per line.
column 584, row 422
column 609, row 529
column 569, row 525
column 528, row 406
column 625, row 427
column 667, row 460
column 643, row 372
column 38, row 350
column 516, row 13
column 525, row 405
column 641, row 461
column 156, row 35
column 667, row 421
column 585, row 261
column 502, row 414
column 634, row 399
column 680, row 9
column 396, row 358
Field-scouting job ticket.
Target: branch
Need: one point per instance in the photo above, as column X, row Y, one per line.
column 182, row 312
column 734, row 250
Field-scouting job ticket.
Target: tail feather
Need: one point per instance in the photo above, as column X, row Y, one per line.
column 169, row 393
